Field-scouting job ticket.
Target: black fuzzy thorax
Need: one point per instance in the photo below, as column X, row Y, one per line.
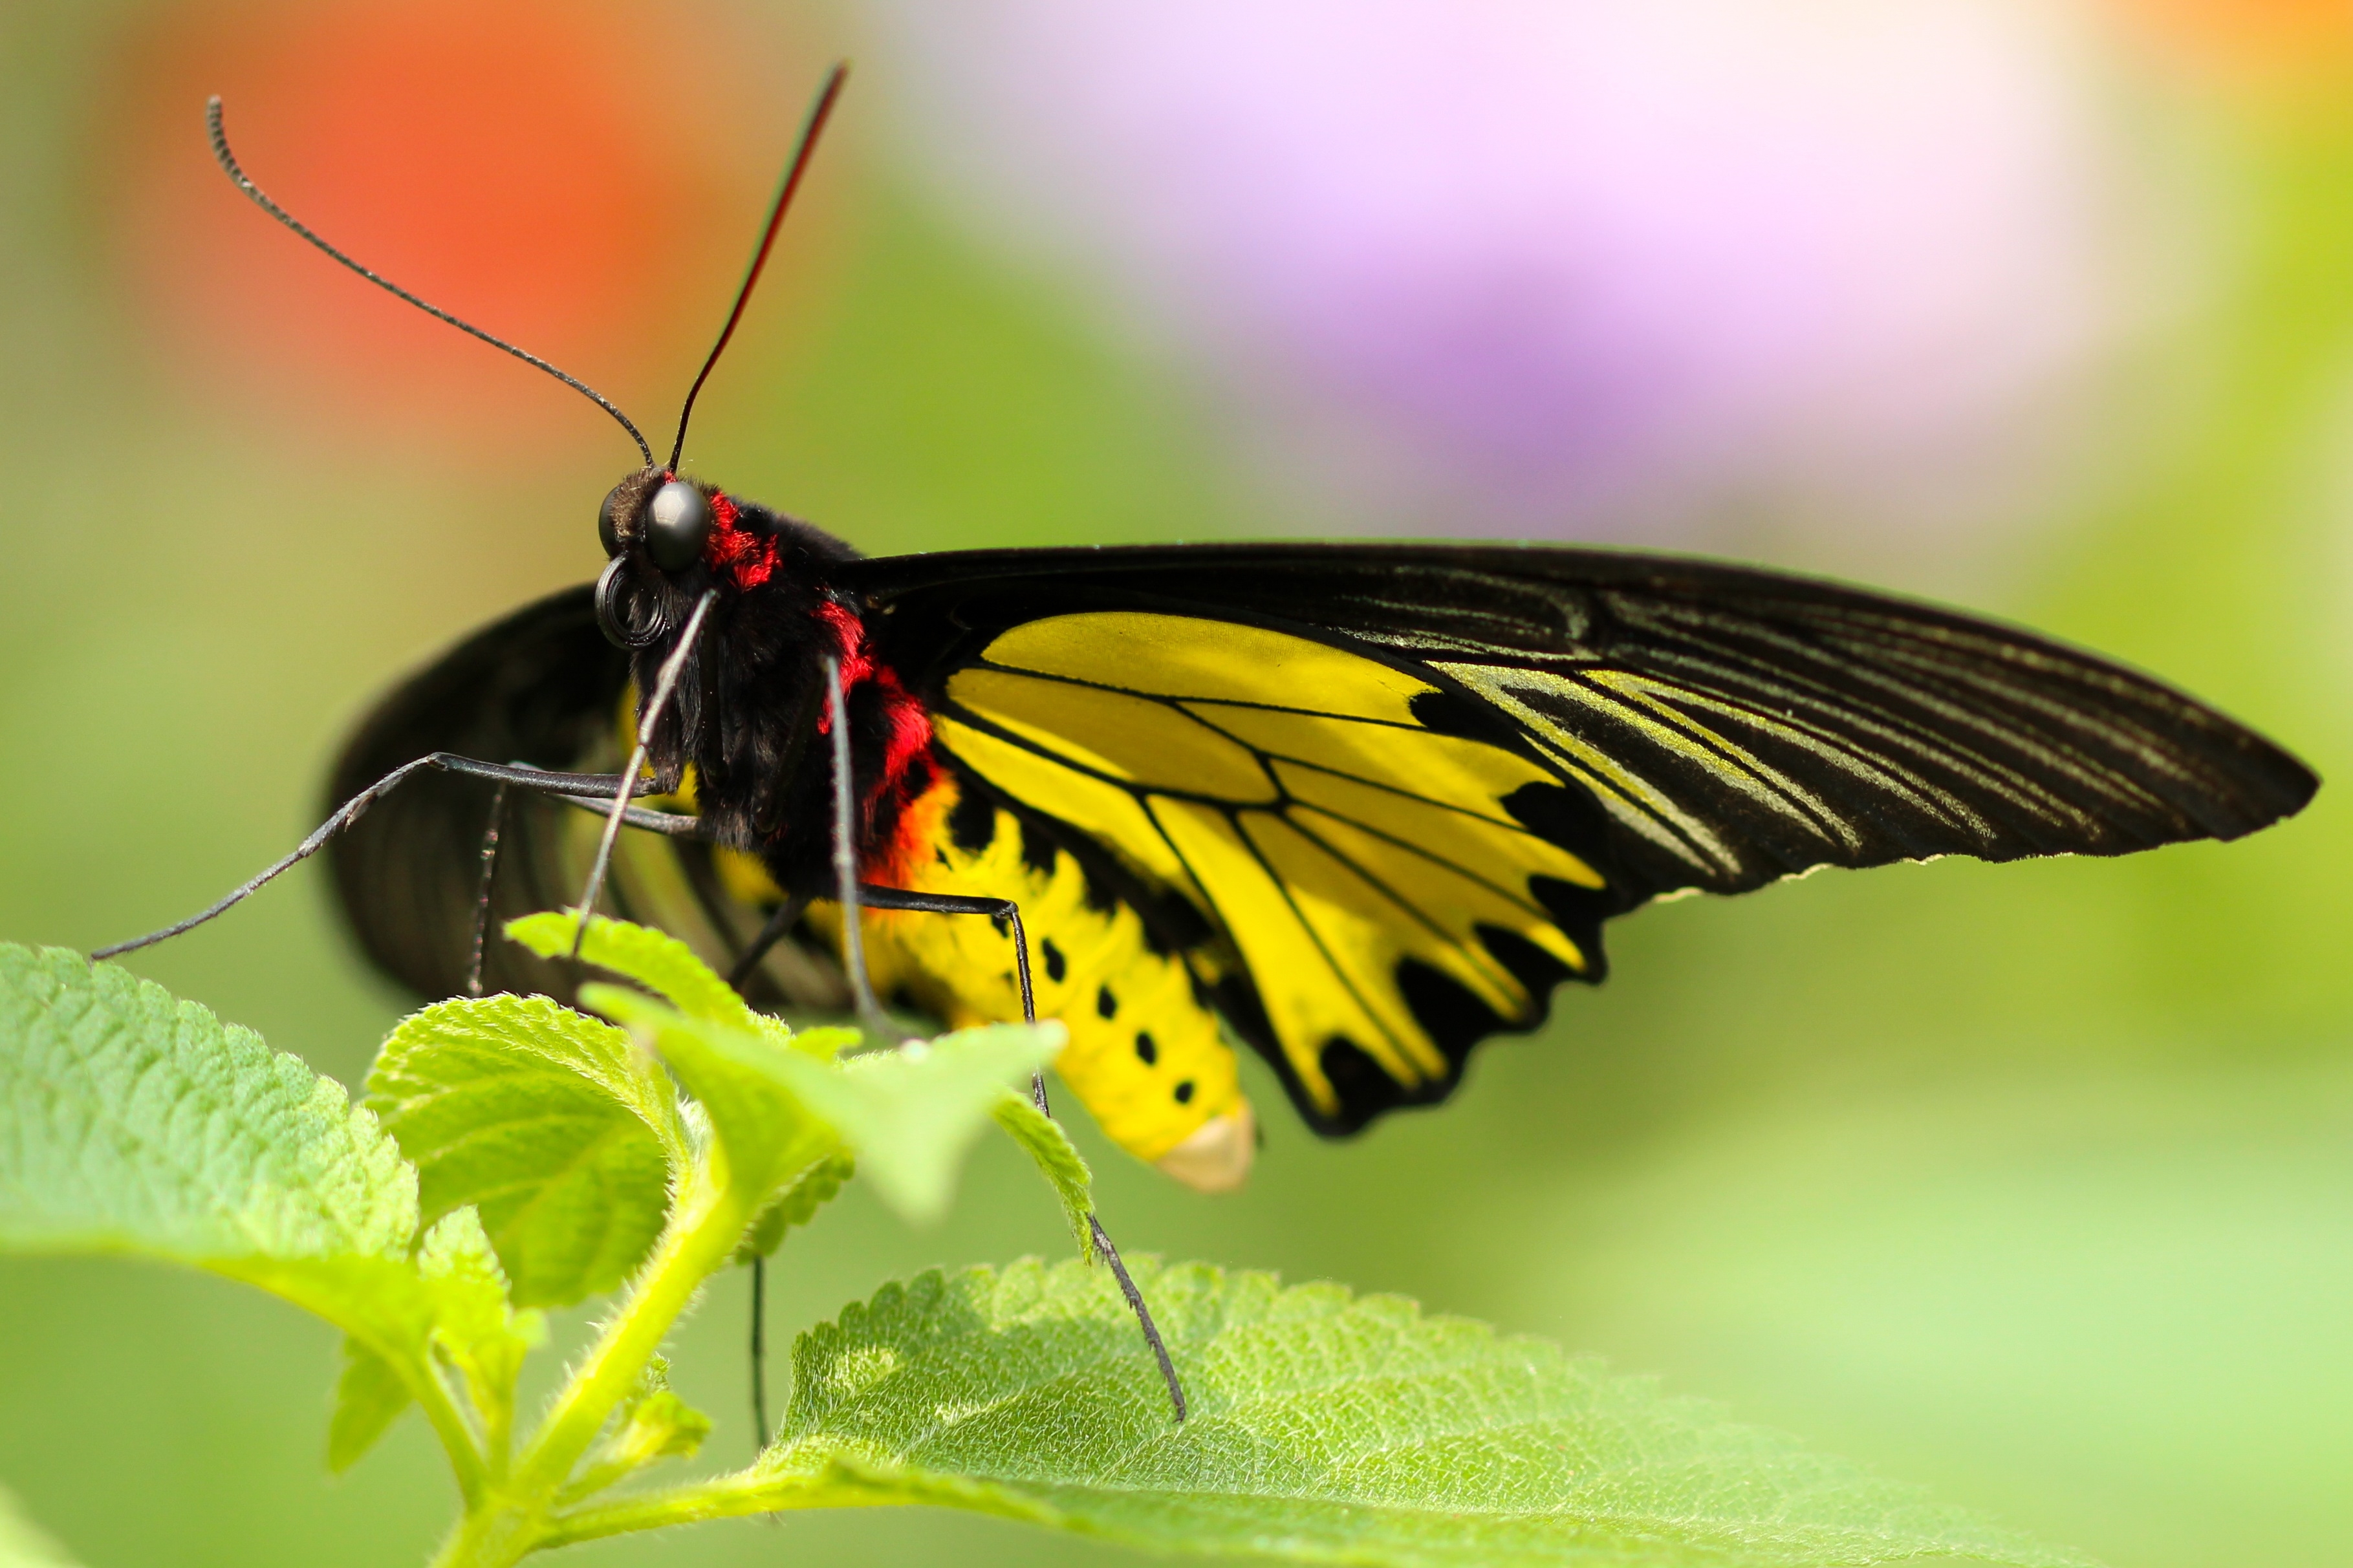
column 746, row 709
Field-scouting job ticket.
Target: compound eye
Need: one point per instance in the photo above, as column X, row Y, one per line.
column 677, row 522
column 608, row 533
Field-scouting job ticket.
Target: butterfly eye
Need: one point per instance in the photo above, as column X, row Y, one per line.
column 677, row 522
column 608, row 533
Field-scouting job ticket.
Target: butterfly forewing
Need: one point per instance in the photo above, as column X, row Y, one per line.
column 1404, row 784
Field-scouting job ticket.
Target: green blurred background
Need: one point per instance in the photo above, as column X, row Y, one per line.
column 2031, row 1182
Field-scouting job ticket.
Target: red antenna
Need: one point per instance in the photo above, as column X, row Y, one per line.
column 811, row 129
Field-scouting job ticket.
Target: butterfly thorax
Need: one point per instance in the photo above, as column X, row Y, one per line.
column 750, row 712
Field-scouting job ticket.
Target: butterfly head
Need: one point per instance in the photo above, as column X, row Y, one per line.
column 665, row 519
column 667, row 540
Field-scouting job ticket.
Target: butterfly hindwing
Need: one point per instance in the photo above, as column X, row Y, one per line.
column 540, row 686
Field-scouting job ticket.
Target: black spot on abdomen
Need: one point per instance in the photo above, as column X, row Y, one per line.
column 1144, row 1049
column 1105, row 1003
column 1055, row 967
column 972, row 824
column 1039, row 851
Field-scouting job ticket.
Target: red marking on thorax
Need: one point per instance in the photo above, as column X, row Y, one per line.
column 906, row 738
column 849, row 643
column 747, row 558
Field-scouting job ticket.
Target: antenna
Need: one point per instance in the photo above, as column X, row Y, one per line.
column 227, row 161
column 811, row 129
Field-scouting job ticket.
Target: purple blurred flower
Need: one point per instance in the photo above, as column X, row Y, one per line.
column 1564, row 265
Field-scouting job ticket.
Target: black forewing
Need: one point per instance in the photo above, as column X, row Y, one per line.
column 1736, row 725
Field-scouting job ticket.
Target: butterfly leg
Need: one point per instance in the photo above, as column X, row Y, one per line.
column 851, row 891
column 648, row 722
column 593, row 792
column 1008, row 914
column 483, row 894
column 870, row 1015
column 786, row 916
column 760, row 1353
column 1004, row 911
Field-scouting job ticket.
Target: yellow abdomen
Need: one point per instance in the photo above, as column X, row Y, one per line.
column 1145, row 1054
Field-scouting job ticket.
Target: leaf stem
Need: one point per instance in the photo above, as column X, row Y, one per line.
column 489, row 1537
column 732, row 1496
column 703, row 1231
column 457, row 1434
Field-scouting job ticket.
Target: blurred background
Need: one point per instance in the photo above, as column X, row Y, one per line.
column 2030, row 1183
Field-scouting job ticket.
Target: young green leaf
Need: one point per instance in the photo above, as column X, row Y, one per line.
column 652, row 1424
column 654, row 960
column 1327, row 1427
column 1058, row 1161
column 370, row 1396
column 767, row 1138
column 22, row 1542
column 910, row 1114
column 555, row 1127
column 476, row 1329
column 797, row 1204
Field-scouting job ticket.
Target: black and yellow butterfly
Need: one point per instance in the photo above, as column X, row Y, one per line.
column 1362, row 805
column 1358, row 806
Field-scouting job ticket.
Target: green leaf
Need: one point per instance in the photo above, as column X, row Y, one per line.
column 22, row 1542
column 1058, row 1161
column 1325, row 1426
column 555, row 1127
column 765, row 1137
column 654, row 960
column 369, row 1396
column 911, row 1114
column 825, row 1044
column 134, row 1123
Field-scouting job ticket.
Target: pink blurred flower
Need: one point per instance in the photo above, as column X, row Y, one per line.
column 1564, row 266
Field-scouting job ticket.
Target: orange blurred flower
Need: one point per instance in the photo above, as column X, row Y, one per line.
column 581, row 176
column 2272, row 46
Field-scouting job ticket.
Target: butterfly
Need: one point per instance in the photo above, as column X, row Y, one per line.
column 1354, row 806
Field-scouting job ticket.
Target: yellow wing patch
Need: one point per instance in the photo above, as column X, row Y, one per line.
column 1118, row 736
column 1346, row 853
column 1183, row 656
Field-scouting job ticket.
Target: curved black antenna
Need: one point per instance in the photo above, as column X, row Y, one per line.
column 810, row 130
column 227, row 161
